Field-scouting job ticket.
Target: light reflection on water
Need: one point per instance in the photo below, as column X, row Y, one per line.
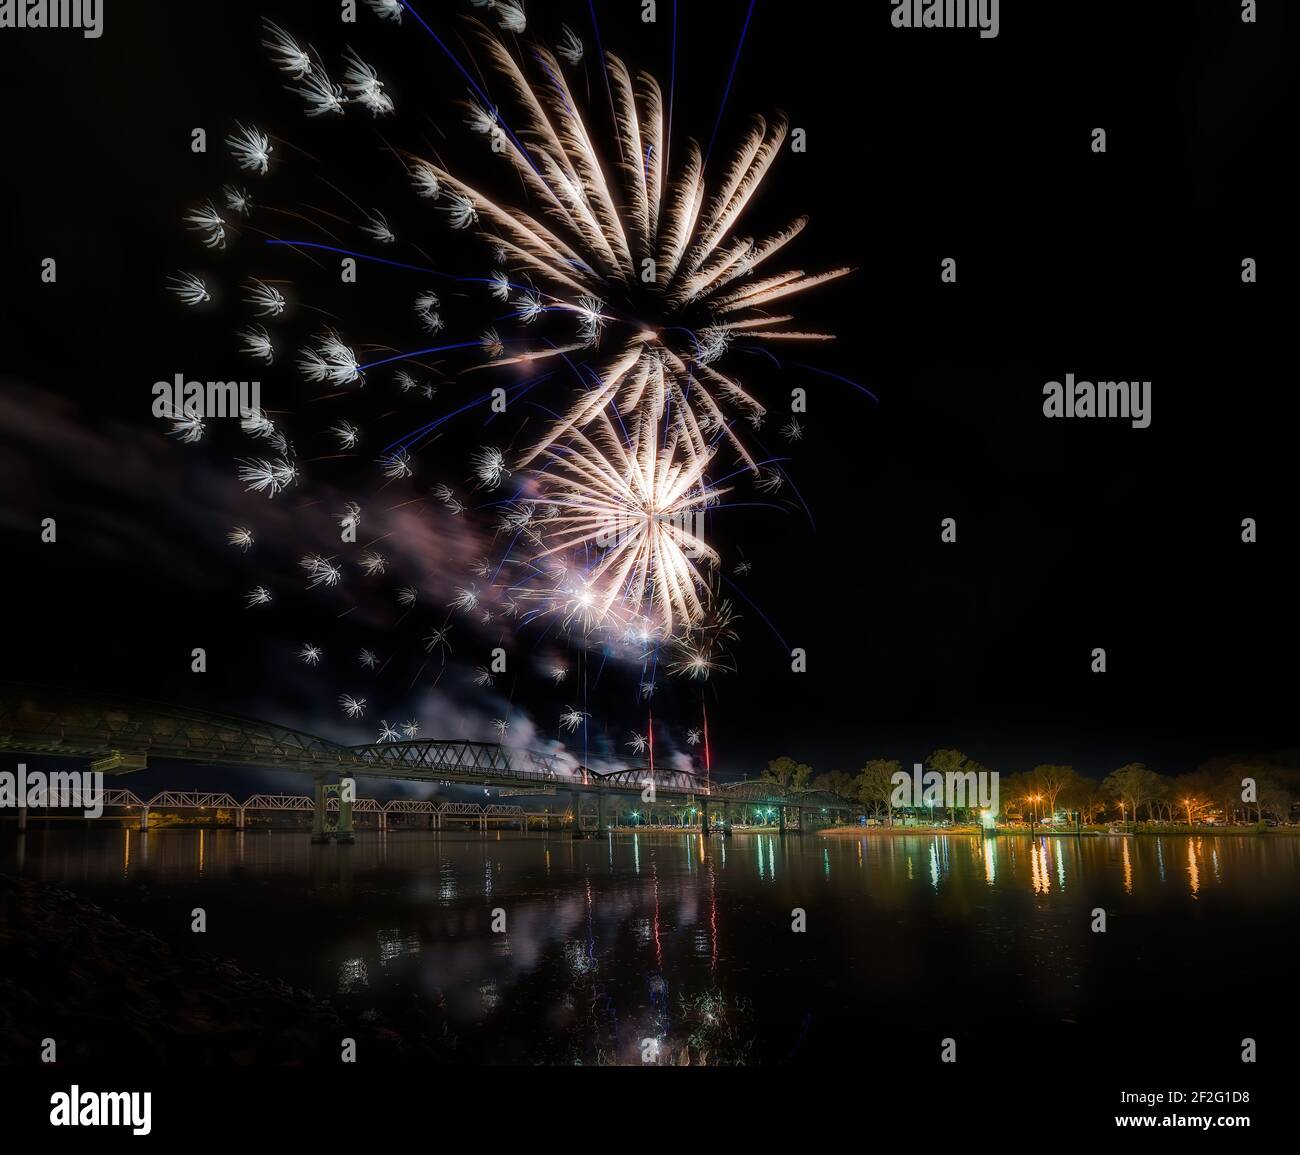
column 615, row 940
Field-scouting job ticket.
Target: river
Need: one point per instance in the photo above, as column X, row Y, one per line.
column 656, row 947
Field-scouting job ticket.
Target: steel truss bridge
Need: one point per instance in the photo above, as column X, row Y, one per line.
column 121, row 736
column 439, row 814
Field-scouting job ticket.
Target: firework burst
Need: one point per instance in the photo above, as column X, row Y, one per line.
column 607, row 262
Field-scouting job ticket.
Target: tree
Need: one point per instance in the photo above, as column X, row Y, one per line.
column 948, row 762
column 837, row 782
column 1085, row 796
column 1051, row 782
column 1275, row 799
column 875, row 784
column 1133, row 785
column 787, row 773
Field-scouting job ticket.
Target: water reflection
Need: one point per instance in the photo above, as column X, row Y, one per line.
column 678, row 938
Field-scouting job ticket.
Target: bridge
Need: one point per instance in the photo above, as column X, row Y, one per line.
column 122, row 736
column 439, row 815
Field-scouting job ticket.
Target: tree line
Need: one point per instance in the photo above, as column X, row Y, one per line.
column 1239, row 791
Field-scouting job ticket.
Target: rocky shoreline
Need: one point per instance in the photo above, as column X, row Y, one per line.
column 107, row 992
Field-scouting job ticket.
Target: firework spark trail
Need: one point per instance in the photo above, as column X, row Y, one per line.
column 631, row 273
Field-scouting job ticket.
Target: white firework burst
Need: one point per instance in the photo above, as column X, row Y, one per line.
column 449, row 499
column 388, row 733
column 460, row 210
column 310, row 654
column 572, row 719
column 386, row 9
column 285, row 52
column 363, row 85
column 251, row 149
column 510, row 14
column 368, row 659
column 396, row 466
column 792, row 430
column 481, row 119
column 190, row 288
column 529, row 306
column 501, row 726
column 410, row 728
column 425, row 180
column 321, row 572
column 352, row 707
column 438, row 640
column 266, row 299
column 465, row 599
column 321, row 95
column 373, row 563
column 350, row 518
column 493, row 346
column 591, row 320
column 347, row 435
column 256, row 342
column 570, row 47
column 636, row 743
column 330, row 360
column 712, row 345
column 269, row 477
column 207, row 221
column 258, row 596
column 256, row 423
column 188, row 428
column 377, row 226
column 240, row 537
column 426, row 311
column 237, row 199
column 483, row 676
column 406, row 596
column 693, row 737
column 489, row 467
column 559, row 673
column 645, row 494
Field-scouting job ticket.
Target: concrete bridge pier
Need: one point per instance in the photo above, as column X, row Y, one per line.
column 780, row 811
column 704, row 816
column 600, row 813
column 240, row 824
column 318, row 834
column 343, row 833
column 577, row 814
column 144, row 819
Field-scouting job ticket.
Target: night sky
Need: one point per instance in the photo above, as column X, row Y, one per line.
column 921, row 146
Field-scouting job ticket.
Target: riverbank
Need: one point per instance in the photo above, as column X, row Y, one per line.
column 108, row 992
column 1139, row 831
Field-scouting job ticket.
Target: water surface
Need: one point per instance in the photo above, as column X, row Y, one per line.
column 689, row 942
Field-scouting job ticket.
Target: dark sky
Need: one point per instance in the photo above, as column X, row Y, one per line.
column 922, row 145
